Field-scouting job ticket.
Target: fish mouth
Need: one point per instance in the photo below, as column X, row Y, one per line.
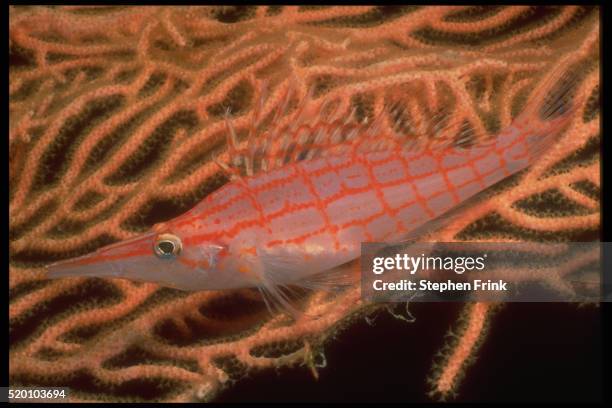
column 104, row 262
column 80, row 266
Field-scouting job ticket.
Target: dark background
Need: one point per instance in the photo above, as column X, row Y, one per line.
column 539, row 352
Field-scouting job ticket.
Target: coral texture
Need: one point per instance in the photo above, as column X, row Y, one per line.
column 116, row 112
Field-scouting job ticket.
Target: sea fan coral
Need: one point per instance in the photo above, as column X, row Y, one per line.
column 116, row 113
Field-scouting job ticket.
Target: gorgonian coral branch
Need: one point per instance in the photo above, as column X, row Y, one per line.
column 116, row 114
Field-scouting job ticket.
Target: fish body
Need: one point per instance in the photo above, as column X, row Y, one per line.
column 310, row 216
column 291, row 223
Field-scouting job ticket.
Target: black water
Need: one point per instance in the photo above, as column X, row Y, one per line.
column 546, row 352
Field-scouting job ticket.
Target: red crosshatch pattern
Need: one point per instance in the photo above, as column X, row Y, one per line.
column 346, row 194
column 314, row 178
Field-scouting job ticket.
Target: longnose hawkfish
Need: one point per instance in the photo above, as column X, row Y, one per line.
column 312, row 190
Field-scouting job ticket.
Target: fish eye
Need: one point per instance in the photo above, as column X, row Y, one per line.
column 167, row 246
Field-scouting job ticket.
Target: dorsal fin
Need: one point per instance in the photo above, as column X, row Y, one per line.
column 311, row 132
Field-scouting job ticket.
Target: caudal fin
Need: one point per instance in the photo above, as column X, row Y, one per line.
column 550, row 109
